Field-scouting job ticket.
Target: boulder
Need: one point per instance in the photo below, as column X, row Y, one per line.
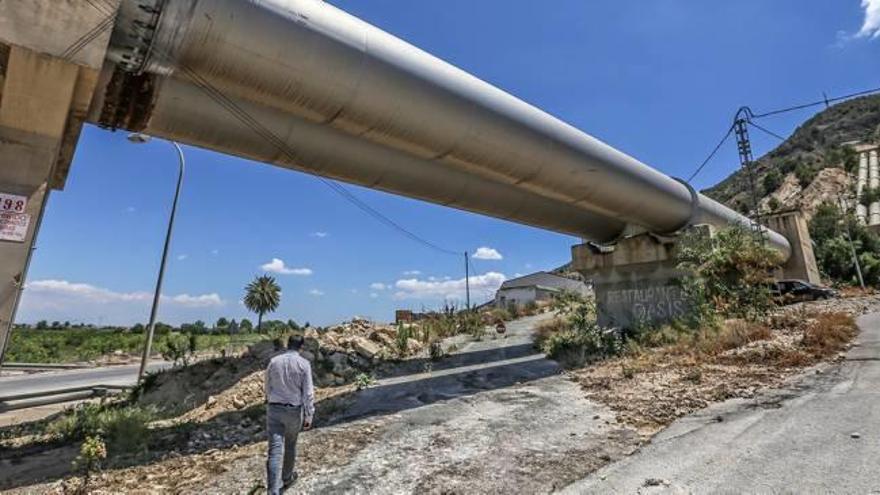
column 340, row 364
column 383, row 338
column 365, row 348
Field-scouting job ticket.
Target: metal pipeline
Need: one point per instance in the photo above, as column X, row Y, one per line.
column 347, row 100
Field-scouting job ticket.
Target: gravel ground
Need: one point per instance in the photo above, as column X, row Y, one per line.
column 494, row 417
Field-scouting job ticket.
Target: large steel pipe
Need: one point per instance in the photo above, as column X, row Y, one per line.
column 185, row 113
column 314, row 63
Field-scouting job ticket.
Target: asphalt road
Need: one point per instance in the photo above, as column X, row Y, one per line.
column 820, row 435
column 494, row 416
column 61, row 380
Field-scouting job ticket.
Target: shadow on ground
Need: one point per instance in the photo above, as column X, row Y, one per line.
column 487, row 370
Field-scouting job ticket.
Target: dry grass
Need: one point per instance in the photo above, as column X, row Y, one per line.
column 547, row 329
column 829, row 333
column 674, row 372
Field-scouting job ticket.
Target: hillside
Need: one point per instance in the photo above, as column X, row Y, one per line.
column 811, row 166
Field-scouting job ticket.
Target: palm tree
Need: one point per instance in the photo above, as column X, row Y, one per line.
column 262, row 296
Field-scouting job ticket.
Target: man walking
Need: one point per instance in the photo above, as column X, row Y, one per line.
column 291, row 398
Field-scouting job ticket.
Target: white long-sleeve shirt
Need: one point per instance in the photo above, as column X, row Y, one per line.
column 289, row 381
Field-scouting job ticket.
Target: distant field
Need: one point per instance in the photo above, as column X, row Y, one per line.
column 87, row 344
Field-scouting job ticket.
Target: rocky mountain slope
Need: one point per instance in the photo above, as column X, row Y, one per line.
column 812, row 166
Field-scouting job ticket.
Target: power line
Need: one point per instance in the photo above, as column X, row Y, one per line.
column 89, row 36
column 711, row 155
column 251, row 123
column 824, row 101
column 765, row 130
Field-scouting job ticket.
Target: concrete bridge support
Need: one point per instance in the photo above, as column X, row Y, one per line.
column 638, row 282
column 46, row 88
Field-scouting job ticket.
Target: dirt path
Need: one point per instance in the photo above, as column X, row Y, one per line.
column 495, row 417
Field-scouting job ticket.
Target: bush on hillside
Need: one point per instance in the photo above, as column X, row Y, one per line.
column 729, row 274
column 124, row 427
column 831, row 230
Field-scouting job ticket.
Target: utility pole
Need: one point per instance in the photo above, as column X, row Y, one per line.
column 852, row 247
column 467, row 280
column 746, row 160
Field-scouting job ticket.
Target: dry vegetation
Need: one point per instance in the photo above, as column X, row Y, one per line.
column 675, row 371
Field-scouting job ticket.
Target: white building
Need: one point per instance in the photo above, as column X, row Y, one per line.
column 541, row 286
column 868, row 177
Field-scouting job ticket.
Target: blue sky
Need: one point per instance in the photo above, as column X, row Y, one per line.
column 657, row 79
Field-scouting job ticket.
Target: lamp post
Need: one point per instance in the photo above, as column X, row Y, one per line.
column 139, row 138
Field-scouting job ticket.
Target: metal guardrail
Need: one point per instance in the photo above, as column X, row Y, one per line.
column 60, row 396
column 43, row 366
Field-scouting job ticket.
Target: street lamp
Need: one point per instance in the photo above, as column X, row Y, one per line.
column 139, row 138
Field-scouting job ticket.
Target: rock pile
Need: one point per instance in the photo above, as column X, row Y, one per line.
column 339, row 354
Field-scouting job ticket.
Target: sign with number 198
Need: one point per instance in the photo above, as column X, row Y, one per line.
column 11, row 203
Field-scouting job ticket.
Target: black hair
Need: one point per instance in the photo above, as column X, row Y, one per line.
column 295, row 342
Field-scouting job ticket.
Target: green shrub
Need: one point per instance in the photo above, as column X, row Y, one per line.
column 574, row 338
column 363, row 381
column 772, row 181
column 178, row 348
column 125, row 428
column 435, row 351
column 831, row 230
column 805, row 174
column 531, row 308
column 92, row 453
column 577, row 346
column 729, row 274
column 404, row 333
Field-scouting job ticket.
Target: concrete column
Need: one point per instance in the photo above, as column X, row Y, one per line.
column 802, row 263
column 51, row 53
column 861, row 185
column 36, row 100
column 874, row 183
column 636, row 284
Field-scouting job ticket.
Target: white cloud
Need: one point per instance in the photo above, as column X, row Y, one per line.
column 871, row 27
column 63, row 300
column 181, row 257
column 412, row 273
column 316, row 293
column 379, row 286
column 202, row 301
column 91, row 293
column 373, row 295
column 278, row 266
column 487, row 253
column 481, row 286
column 319, row 235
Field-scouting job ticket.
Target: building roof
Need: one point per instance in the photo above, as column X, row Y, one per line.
column 544, row 280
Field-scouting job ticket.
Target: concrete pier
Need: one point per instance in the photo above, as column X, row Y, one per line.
column 802, row 263
column 46, row 87
column 638, row 282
